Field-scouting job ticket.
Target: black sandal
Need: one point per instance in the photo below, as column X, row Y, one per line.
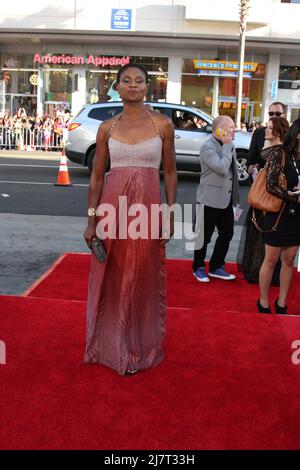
column 279, row 309
column 262, row 309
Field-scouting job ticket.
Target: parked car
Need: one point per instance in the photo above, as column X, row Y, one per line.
column 192, row 127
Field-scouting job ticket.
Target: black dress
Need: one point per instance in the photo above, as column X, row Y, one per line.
column 288, row 229
column 251, row 251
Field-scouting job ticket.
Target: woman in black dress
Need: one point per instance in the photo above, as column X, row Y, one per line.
column 251, row 251
column 283, row 242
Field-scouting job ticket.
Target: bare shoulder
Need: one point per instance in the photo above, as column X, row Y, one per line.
column 164, row 123
column 105, row 126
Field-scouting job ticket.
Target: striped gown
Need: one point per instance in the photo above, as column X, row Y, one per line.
column 126, row 294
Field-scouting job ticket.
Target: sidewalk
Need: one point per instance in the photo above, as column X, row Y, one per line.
column 38, row 155
column 31, row 243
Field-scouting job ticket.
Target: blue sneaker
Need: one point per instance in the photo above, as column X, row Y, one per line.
column 220, row 273
column 201, row 275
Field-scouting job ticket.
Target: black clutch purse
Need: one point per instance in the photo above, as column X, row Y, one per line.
column 98, row 249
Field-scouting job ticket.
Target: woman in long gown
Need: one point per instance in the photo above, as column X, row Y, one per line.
column 126, row 294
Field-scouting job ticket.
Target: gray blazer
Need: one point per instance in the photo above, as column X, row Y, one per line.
column 218, row 179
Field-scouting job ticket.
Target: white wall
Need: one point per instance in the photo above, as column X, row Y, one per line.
column 272, row 74
column 267, row 18
column 228, row 10
column 44, row 14
column 289, row 97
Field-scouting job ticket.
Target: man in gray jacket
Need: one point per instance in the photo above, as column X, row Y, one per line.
column 218, row 191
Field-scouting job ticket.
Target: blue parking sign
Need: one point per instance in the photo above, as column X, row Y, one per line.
column 121, row 18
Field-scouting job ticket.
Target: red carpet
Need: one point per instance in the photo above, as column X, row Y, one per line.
column 227, row 382
column 69, row 281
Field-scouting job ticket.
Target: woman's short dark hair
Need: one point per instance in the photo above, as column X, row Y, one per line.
column 129, row 66
column 280, row 127
column 291, row 142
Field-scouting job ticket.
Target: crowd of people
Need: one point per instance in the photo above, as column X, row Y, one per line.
column 271, row 238
column 24, row 132
column 250, row 127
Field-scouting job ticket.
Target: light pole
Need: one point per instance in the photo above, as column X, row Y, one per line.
column 244, row 8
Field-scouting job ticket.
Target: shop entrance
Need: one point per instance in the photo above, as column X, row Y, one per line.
column 228, row 108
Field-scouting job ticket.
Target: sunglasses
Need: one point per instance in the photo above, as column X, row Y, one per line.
column 277, row 114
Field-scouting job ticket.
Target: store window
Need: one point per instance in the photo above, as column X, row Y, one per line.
column 196, row 90
column 289, row 90
column 20, row 83
column 198, row 87
column 101, row 84
column 289, row 77
column 58, row 89
column 251, row 98
column 57, row 83
column 15, row 61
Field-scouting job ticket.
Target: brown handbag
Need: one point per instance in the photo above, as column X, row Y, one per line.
column 258, row 196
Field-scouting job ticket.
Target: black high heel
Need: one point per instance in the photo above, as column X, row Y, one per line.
column 279, row 309
column 262, row 309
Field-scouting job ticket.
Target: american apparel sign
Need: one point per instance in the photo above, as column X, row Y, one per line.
column 99, row 61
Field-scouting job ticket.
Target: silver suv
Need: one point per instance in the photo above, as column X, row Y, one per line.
column 192, row 127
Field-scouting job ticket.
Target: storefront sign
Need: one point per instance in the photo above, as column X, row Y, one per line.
column 222, row 73
column 121, row 18
column 223, row 65
column 102, row 61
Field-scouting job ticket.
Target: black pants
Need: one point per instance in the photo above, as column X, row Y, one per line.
column 223, row 220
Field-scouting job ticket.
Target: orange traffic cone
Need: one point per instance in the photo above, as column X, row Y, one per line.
column 63, row 178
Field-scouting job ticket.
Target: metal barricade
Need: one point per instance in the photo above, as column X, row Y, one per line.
column 39, row 138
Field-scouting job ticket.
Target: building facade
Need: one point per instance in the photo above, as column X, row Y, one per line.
column 56, row 55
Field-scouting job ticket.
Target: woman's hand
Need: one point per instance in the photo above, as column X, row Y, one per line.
column 251, row 168
column 295, row 192
column 89, row 234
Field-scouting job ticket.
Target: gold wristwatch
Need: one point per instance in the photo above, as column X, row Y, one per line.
column 91, row 211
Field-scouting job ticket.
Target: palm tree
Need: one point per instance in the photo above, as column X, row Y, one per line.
column 244, row 8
